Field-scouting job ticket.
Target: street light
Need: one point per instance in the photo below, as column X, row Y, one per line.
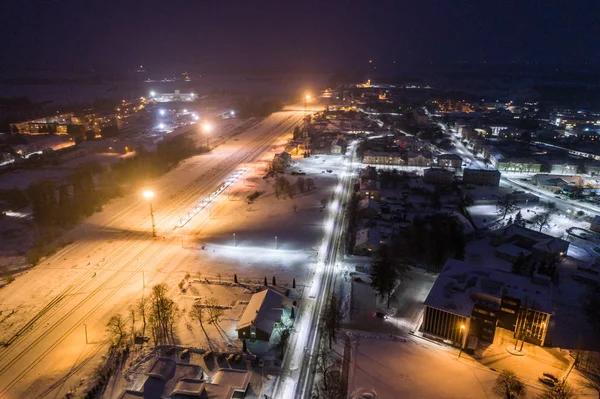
column 307, row 98
column 149, row 195
column 162, row 112
column 462, row 331
column 152, row 93
column 207, row 128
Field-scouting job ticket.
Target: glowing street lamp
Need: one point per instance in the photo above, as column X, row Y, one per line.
column 162, row 112
column 207, row 128
column 462, row 331
column 149, row 195
column 152, row 94
column 307, row 98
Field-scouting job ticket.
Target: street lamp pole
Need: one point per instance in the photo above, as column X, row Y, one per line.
column 152, row 218
column 149, row 195
column 234, row 240
column 462, row 330
column 275, row 242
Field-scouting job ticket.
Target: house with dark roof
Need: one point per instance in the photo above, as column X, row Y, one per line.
column 541, row 246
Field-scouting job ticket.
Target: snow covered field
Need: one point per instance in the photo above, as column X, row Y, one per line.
column 390, row 368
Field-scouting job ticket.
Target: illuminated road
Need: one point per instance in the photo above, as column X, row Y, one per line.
column 297, row 378
column 47, row 311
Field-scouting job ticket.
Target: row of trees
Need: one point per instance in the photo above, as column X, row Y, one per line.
column 158, row 314
column 432, row 240
column 507, row 205
column 284, row 188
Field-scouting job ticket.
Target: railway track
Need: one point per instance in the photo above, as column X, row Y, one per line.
column 109, row 271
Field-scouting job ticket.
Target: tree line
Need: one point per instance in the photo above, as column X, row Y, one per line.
column 60, row 205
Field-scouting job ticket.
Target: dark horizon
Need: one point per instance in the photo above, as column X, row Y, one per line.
column 310, row 36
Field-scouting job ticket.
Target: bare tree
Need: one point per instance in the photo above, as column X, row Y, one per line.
column 332, row 317
column 198, row 313
column 508, row 385
column 132, row 317
column 506, row 205
column 142, row 309
column 214, row 311
column 560, row 390
column 163, row 312
column 329, row 386
column 541, row 219
column 116, row 327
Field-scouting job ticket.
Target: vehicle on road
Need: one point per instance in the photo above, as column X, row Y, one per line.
column 381, row 315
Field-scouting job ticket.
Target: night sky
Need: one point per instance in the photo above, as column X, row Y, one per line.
column 121, row 34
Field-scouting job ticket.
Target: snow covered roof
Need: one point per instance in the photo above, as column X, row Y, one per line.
column 369, row 203
column 450, row 156
column 226, row 382
column 543, row 242
column 368, row 185
column 368, row 236
column 512, row 250
column 263, row 311
column 461, row 284
column 557, row 180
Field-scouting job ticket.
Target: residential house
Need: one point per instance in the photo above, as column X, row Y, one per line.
column 369, row 189
column 543, row 247
column 420, row 117
column 368, row 208
column 339, row 146
column 383, row 158
column 422, row 158
column 368, row 240
column 260, row 316
column 368, row 173
column 170, row 379
column 555, row 183
column 449, row 161
column 438, row 176
column 481, row 177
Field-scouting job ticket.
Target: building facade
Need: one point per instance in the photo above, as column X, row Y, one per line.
column 471, row 301
column 482, row 177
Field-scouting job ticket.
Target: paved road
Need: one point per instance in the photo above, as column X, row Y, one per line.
column 297, row 378
column 46, row 311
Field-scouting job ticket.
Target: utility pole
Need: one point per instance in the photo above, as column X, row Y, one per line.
column 275, row 242
column 234, row 240
column 152, row 218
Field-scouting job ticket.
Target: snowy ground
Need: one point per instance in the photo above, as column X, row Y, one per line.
column 391, row 368
column 406, row 304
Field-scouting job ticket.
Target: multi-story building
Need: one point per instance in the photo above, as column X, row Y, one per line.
column 481, row 177
column 468, row 300
column 422, row 158
column 383, row 158
column 450, row 161
column 519, row 165
column 438, row 176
